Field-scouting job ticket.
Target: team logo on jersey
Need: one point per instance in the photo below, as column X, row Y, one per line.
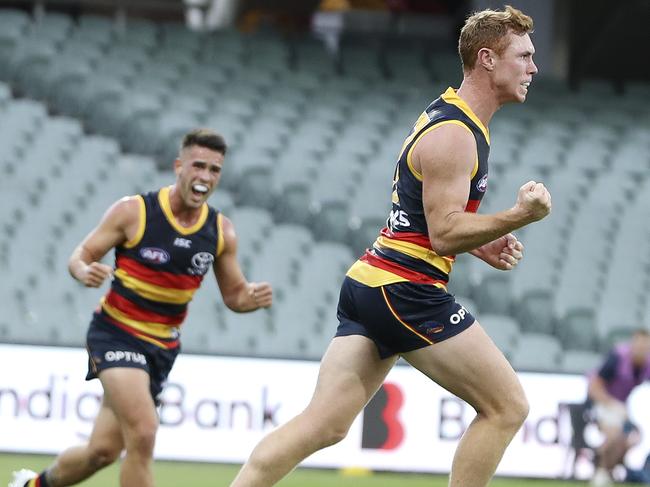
column 154, row 255
column 482, row 184
column 201, row 263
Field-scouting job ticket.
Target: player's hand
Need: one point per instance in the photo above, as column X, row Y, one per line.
column 534, row 201
column 261, row 294
column 95, row 274
column 503, row 253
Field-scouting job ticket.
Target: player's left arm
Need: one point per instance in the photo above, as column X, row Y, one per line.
column 238, row 294
column 503, row 253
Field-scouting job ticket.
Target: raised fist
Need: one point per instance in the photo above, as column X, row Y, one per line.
column 534, row 201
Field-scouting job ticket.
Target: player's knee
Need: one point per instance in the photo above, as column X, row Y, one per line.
column 103, row 455
column 142, row 438
column 331, row 434
column 516, row 411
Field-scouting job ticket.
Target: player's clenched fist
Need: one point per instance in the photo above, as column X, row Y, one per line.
column 534, row 201
column 262, row 294
column 95, row 274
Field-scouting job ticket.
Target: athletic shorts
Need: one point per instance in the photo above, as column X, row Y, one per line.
column 613, row 416
column 400, row 317
column 108, row 347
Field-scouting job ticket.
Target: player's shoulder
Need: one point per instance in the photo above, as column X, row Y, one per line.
column 125, row 209
column 446, row 139
column 130, row 203
column 226, row 224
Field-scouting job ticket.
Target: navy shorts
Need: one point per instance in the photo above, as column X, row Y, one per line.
column 400, row 317
column 108, row 347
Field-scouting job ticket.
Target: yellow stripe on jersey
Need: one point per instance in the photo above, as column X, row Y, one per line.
column 163, row 199
column 220, row 241
column 475, row 170
column 372, row 276
column 155, row 329
column 413, row 250
column 153, row 292
column 406, row 325
column 142, row 222
column 416, row 173
column 151, row 340
column 420, row 123
column 451, row 97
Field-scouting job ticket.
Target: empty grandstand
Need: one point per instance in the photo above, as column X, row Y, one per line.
column 92, row 109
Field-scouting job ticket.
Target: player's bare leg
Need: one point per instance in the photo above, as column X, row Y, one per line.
column 350, row 374
column 126, row 391
column 80, row 462
column 470, row 366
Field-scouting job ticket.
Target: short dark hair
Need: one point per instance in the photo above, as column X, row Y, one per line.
column 207, row 138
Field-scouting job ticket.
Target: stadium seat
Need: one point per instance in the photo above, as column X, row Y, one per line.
column 307, row 178
column 502, row 329
column 580, row 361
column 534, row 310
column 577, row 329
column 494, row 294
column 536, row 352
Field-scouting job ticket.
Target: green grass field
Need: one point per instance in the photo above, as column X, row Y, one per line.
column 172, row 474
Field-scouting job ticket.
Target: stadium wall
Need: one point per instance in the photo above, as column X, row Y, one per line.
column 215, row 409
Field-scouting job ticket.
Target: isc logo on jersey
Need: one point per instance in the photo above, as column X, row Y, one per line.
column 398, row 218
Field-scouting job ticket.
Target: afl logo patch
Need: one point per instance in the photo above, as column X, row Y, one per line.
column 482, row 184
column 154, row 255
column 201, row 263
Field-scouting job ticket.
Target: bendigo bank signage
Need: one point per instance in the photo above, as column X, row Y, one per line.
column 216, row 409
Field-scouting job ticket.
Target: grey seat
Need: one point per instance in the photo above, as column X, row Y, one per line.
column 536, row 352
column 578, row 330
column 331, row 222
column 28, row 63
column 494, row 294
column 252, row 225
column 534, row 310
column 159, row 133
column 580, row 361
column 502, row 329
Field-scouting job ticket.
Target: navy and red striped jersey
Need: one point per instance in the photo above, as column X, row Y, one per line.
column 159, row 270
column 403, row 252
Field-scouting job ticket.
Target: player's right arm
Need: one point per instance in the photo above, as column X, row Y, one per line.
column 445, row 157
column 118, row 225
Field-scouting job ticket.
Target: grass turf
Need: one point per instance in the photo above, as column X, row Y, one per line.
column 176, row 474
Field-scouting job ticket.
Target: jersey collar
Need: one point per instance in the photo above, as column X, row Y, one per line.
column 452, row 98
column 163, row 198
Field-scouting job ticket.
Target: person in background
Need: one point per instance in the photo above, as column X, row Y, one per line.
column 627, row 366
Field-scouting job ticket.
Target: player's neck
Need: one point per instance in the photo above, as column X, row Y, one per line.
column 479, row 99
column 185, row 216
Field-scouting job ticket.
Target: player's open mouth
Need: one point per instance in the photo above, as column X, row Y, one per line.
column 199, row 189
